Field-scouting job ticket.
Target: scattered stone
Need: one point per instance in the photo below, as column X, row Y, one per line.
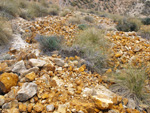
column 37, row 62
column 31, row 76
column 7, row 80
column 27, row 91
column 19, row 67
column 38, row 107
column 59, row 62
column 2, row 100
column 131, row 104
column 34, row 69
column 50, row 108
column 30, row 107
column 103, row 102
column 6, row 105
column 22, row 107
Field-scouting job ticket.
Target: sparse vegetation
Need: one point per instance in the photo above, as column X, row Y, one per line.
column 49, row 43
column 64, row 12
column 83, row 26
column 5, row 31
column 132, row 80
column 146, row 21
column 91, row 45
column 145, row 31
column 89, row 19
column 129, row 24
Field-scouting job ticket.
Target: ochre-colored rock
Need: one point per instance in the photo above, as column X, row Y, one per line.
column 103, row 103
column 22, row 107
column 7, row 80
column 30, row 107
column 38, row 107
column 31, row 76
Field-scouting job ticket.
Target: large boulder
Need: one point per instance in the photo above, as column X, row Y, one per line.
column 7, row 80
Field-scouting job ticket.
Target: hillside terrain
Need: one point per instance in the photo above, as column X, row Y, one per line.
column 124, row 7
column 55, row 58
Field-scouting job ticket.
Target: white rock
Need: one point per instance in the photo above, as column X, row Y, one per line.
column 27, row 91
column 59, row 62
column 50, row 108
column 19, row 67
column 37, row 62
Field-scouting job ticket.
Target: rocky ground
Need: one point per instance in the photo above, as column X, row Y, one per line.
column 31, row 82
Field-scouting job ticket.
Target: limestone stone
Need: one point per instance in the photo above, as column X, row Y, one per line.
column 37, row 62
column 50, row 108
column 59, row 62
column 19, row 67
column 27, row 91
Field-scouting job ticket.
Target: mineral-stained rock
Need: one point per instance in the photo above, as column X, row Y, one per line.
column 27, row 91
column 31, row 76
column 102, row 102
column 59, row 62
column 37, row 62
column 22, row 107
column 34, row 69
column 12, row 110
column 30, row 107
column 2, row 100
column 6, row 105
column 113, row 111
column 7, row 80
column 19, row 67
column 38, row 107
column 50, row 108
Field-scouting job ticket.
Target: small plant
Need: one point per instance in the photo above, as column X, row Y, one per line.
column 49, row 43
column 10, row 6
column 75, row 20
column 92, row 47
column 5, row 31
column 82, row 26
column 53, row 11
column 89, row 19
column 132, row 81
column 128, row 24
column 145, row 32
column 146, row 21
column 65, row 12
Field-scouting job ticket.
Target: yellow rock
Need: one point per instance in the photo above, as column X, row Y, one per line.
column 22, row 107
column 7, row 80
column 31, row 76
column 71, row 58
column 38, row 107
column 109, row 71
column 30, row 107
column 103, row 103
column 45, row 95
column 125, row 101
column 118, row 55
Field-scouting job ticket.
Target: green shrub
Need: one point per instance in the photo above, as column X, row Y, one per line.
column 37, row 10
column 75, row 20
column 53, row 11
column 129, row 24
column 91, row 45
column 133, row 80
column 49, row 43
column 64, row 12
column 10, row 6
column 146, row 21
column 145, row 31
column 5, row 31
column 82, row 26
column 89, row 19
